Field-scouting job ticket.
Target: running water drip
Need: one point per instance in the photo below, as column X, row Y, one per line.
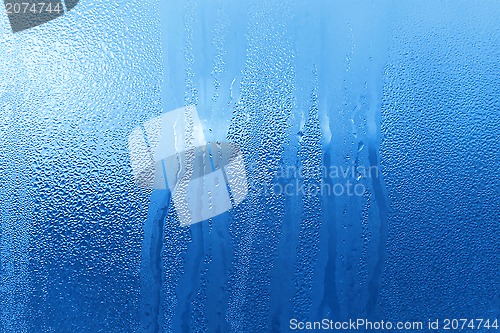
column 151, row 267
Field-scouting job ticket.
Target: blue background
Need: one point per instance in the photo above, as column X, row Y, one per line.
column 411, row 88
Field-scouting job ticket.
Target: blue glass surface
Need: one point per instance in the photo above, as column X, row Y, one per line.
column 370, row 138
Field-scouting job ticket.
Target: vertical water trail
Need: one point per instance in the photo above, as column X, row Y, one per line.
column 375, row 83
column 151, row 261
column 378, row 188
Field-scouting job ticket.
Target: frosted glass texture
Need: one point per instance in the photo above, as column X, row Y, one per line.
column 340, row 160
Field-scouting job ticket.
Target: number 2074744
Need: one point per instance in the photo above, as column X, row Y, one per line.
column 34, row 8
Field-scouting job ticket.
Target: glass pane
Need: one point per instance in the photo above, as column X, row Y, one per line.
column 252, row 166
